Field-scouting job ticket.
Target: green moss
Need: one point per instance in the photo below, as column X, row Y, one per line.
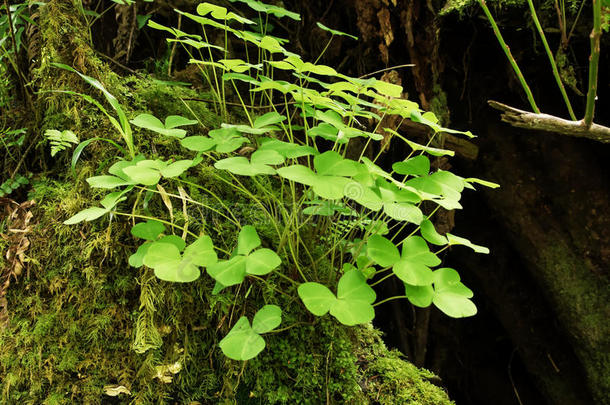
column 578, row 299
column 87, row 320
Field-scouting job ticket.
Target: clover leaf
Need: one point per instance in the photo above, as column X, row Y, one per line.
column 137, row 259
column 354, row 299
column 152, row 123
column 351, row 306
column 270, row 9
column 169, row 264
column 88, row 214
column 335, row 32
column 382, row 251
column 457, row 240
column 317, row 298
column 222, row 140
column 148, row 230
column 415, row 249
column 267, row 318
column 247, row 240
column 448, row 294
column 92, row 213
column 331, row 177
column 246, row 261
column 430, row 234
column 415, row 166
column 286, row 149
column 244, row 341
column 243, row 167
column 229, row 272
column 140, row 171
column 413, row 266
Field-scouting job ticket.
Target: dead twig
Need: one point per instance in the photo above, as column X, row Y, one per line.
column 550, row 123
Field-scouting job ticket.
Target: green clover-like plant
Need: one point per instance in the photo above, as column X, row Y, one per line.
column 308, row 143
column 244, row 341
column 92, row 213
column 351, row 306
column 413, row 266
column 447, row 293
column 246, row 261
column 223, row 140
column 140, row 171
column 169, row 256
column 270, row 9
column 169, row 128
column 415, row 166
column 330, row 178
column 151, row 231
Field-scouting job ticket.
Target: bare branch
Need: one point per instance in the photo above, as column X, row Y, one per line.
column 550, row 123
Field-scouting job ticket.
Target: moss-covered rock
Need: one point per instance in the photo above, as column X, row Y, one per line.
column 83, row 323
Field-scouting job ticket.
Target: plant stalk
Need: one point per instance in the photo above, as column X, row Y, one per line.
column 595, row 36
column 551, row 60
column 510, row 57
column 9, row 16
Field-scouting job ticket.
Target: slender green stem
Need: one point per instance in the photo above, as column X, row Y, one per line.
column 396, row 297
column 241, row 101
column 509, row 55
column 218, row 90
column 582, row 6
column 384, row 278
column 595, row 36
column 442, row 249
column 206, row 206
column 551, row 60
column 172, row 52
column 220, row 201
column 324, row 50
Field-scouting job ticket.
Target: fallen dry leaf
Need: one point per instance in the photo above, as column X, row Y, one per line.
column 18, row 219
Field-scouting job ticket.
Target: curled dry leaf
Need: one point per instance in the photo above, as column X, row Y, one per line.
column 18, row 225
column 115, row 390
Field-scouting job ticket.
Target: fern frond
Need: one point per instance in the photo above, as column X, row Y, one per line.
column 60, row 140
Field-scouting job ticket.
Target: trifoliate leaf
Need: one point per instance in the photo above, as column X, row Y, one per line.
column 247, row 240
column 317, row 298
column 262, row 261
column 149, row 230
column 382, row 251
column 267, row 318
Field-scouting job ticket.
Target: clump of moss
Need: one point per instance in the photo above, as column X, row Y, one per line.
column 389, row 379
column 83, row 320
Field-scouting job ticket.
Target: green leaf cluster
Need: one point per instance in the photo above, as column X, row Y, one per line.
column 248, row 260
column 302, row 147
column 351, row 306
column 244, row 341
